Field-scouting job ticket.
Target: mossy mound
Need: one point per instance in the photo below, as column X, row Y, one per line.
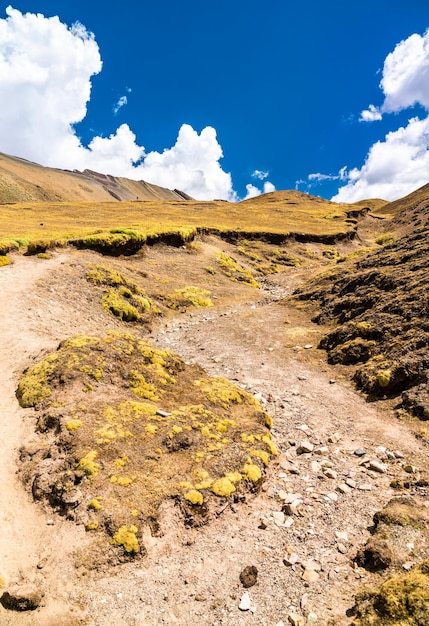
column 123, row 298
column 265, row 258
column 183, row 298
column 381, row 307
column 4, row 260
column 234, row 271
column 400, row 601
column 149, row 428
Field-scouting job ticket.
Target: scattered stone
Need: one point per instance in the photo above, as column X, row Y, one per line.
column 315, row 467
column 289, row 521
column 304, row 447
column 310, row 576
column 322, row 450
column 341, row 548
column 359, row 452
column 311, row 565
column 380, row 451
column 398, row 454
column 341, row 534
column 365, row 487
column 296, row 620
column 294, row 508
column 163, row 413
column 410, row 469
column 351, row 483
column 308, row 346
column 332, row 496
column 343, row 488
column 334, row 438
column 302, row 377
column 263, row 523
column 245, row 602
column 279, row 518
column 249, row 576
column 329, row 473
column 22, row 598
column 408, row 566
column 376, row 466
column 291, row 559
column 312, row 618
column 332, row 381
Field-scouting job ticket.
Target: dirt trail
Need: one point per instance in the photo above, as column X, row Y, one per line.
column 193, row 575
column 30, row 541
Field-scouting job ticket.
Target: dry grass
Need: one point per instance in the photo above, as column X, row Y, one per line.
column 281, row 213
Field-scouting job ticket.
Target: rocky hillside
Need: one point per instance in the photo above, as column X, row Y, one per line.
column 24, row 181
column 379, row 308
column 186, row 433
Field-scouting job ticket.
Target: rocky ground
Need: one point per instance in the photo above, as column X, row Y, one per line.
column 284, row 556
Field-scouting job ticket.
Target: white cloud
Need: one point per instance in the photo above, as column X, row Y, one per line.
column 260, row 174
column 269, row 187
column 123, row 100
column 393, row 168
column 372, row 114
column 398, row 164
column 318, row 177
column 45, row 85
column 252, row 191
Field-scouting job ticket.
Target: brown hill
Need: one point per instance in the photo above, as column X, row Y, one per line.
column 22, row 180
column 380, row 307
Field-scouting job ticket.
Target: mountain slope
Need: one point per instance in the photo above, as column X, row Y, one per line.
column 22, row 180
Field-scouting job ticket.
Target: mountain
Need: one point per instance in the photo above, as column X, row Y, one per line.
column 22, row 180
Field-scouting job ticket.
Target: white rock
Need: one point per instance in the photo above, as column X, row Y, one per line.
column 329, row 473
column 351, row 483
column 296, row 620
column 322, row 450
column 304, row 447
column 365, row 487
column 310, row 576
column 245, row 602
column 343, row 488
column 376, row 466
column 279, row 518
column 291, row 559
column 342, row 534
column 334, row 438
column 332, row 496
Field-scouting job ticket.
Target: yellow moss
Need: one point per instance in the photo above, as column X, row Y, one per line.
column 88, row 464
column 223, row 487
column 122, row 481
column 127, row 538
column 73, row 425
column 247, row 438
column 221, row 391
column 189, row 296
column 141, row 387
column 118, row 306
column 151, row 429
column 383, row 377
column 95, row 504
column 205, row 484
column 222, row 425
column 252, row 471
column 4, row 260
column 194, row 497
column 234, row 477
column 261, row 454
column 268, row 420
column 34, row 386
column 92, row 525
column 235, row 271
column 2, row 582
column 210, row 270
column 177, row 429
column 121, row 461
column 270, row 445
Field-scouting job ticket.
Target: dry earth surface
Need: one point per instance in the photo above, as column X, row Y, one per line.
column 301, row 531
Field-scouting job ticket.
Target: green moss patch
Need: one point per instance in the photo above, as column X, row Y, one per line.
column 189, row 296
column 122, row 298
column 400, row 601
column 233, row 270
column 152, row 428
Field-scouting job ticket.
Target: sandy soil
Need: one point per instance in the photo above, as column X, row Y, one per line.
column 192, row 575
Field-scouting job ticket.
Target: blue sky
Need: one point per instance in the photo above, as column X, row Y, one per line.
column 279, row 88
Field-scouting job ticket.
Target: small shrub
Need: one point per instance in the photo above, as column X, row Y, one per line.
column 4, row 260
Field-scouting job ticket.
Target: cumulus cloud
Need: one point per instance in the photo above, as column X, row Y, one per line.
column 123, row 100
column 393, row 168
column 45, row 85
column 253, row 191
column 399, row 163
column 260, row 174
column 371, row 114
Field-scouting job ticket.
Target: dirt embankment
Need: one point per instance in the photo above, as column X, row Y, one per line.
column 338, row 456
